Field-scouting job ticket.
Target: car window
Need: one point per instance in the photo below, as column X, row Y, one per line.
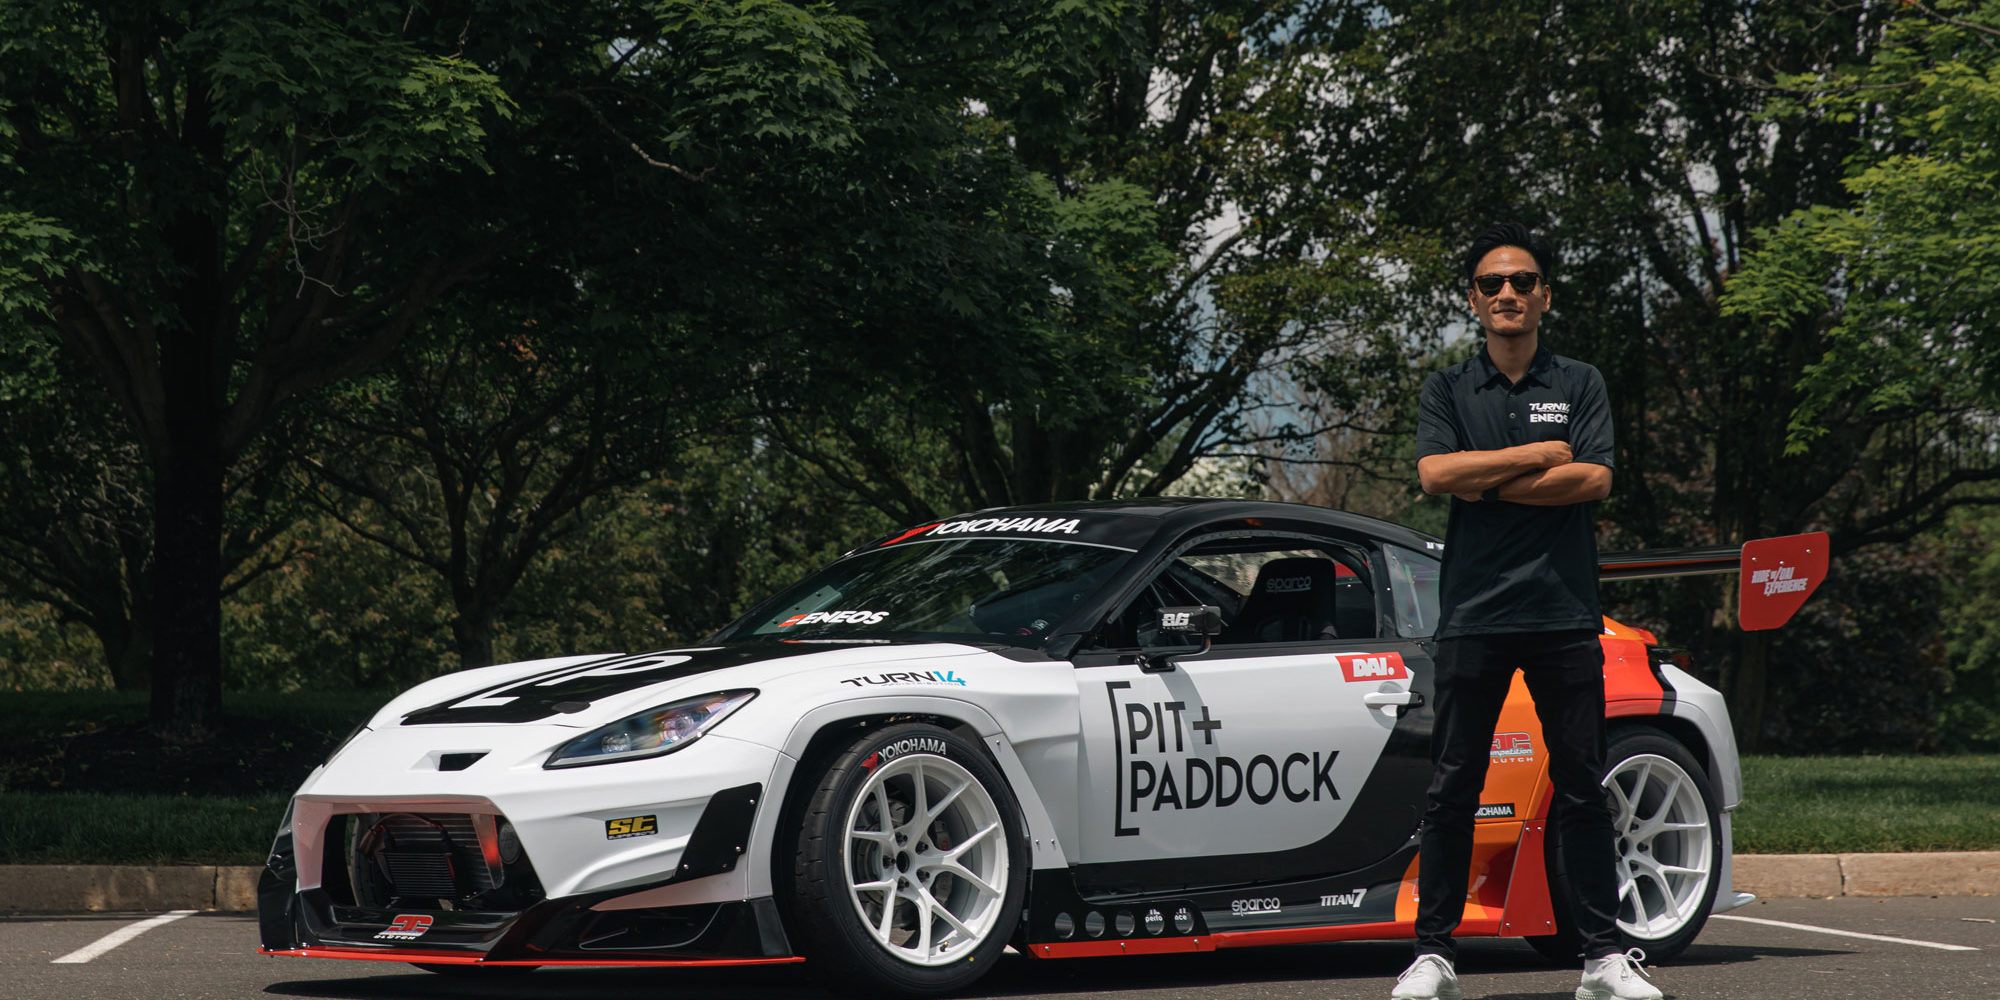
column 1007, row 590
column 1269, row 590
column 1413, row 581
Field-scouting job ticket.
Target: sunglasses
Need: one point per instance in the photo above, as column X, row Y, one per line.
column 1523, row 282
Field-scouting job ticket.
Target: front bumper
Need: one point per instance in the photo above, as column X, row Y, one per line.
column 406, row 864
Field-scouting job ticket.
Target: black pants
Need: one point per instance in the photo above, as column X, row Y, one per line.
column 1565, row 674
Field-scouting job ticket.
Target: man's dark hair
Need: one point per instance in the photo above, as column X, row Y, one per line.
column 1511, row 234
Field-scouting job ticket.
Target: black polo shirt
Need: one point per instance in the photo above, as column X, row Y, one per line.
column 1512, row 567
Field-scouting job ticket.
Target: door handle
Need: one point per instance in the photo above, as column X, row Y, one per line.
column 1390, row 702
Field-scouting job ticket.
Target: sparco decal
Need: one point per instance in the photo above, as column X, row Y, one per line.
column 1512, row 748
column 1352, row 899
column 1288, row 585
column 1495, row 810
column 1372, row 666
column 984, row 525
column 836, row 618
column 1165, row 762
column 909, row 677
column 915, row 744
column 406, row 927
column 1246, row 907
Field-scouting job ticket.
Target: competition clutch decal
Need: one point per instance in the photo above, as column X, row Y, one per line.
column 1154, row 750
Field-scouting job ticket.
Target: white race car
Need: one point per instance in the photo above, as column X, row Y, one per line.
column 1093, row 729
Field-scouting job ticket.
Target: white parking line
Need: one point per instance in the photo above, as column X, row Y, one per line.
column 117, row 937
column 1841, row 933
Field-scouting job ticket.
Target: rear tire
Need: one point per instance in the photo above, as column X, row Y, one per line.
column 1669, row 847
column 911, row 865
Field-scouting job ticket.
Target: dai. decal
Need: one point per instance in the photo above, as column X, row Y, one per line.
column 1372, row 666
column 1162, row 770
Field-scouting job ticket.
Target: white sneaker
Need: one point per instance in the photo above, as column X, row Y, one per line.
column 1617, row 977
column 1430, row 977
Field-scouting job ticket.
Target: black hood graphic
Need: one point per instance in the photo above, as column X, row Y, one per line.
column 570, row 689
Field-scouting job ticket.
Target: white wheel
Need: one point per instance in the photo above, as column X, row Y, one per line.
column 1666, row 857
column 1669, row 842
column 911, row 865
column 927, row 852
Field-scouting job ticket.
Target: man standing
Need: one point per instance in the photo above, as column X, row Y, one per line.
column 1522, row 438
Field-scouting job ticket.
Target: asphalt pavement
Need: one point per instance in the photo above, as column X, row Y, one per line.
column 1887, row 948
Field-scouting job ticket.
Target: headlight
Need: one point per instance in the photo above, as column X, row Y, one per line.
column 652, row 732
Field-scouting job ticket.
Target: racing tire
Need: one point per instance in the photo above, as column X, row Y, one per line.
column 1668, row 852
column 911, row 865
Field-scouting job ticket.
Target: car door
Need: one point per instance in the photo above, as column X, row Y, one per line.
column 1296, row 746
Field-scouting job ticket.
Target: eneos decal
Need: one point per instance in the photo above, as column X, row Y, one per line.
column 836, row 618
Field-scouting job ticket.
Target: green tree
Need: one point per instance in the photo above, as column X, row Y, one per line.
column 1651, row 143
column 225, row 206
column 1093, row 241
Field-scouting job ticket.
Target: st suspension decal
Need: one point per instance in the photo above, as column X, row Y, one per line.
column 1163, row 769
column 631, row 826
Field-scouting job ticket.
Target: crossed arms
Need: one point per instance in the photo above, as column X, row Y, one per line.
column 1541, row 474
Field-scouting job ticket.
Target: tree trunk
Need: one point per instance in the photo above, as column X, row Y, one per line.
column 187, row 575
column 472, row 631
column 1749, row 690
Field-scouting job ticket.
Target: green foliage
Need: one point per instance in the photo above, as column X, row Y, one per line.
column 1970, row 606
column 1893, row 275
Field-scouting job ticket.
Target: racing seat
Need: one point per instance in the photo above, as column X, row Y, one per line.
column 1292, row 601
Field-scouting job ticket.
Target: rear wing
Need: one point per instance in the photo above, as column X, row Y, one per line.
column 1778, row 574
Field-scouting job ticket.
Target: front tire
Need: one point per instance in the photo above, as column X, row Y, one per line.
column 911, row 863
column 1669, row 847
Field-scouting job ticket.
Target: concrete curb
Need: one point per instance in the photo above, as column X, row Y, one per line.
column 89, row 888
column 233, row 888
column 1942, row 873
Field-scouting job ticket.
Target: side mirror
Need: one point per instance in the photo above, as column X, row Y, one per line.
column 1204, row 620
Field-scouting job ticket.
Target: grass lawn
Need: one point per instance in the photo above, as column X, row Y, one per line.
column 1792, row 805
column 58, row 828
column 1825, row 805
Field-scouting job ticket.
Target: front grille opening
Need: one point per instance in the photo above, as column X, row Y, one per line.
column 648, row 930
column 432, row 861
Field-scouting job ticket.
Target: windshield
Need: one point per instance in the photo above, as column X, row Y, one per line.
column 1004, row 590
